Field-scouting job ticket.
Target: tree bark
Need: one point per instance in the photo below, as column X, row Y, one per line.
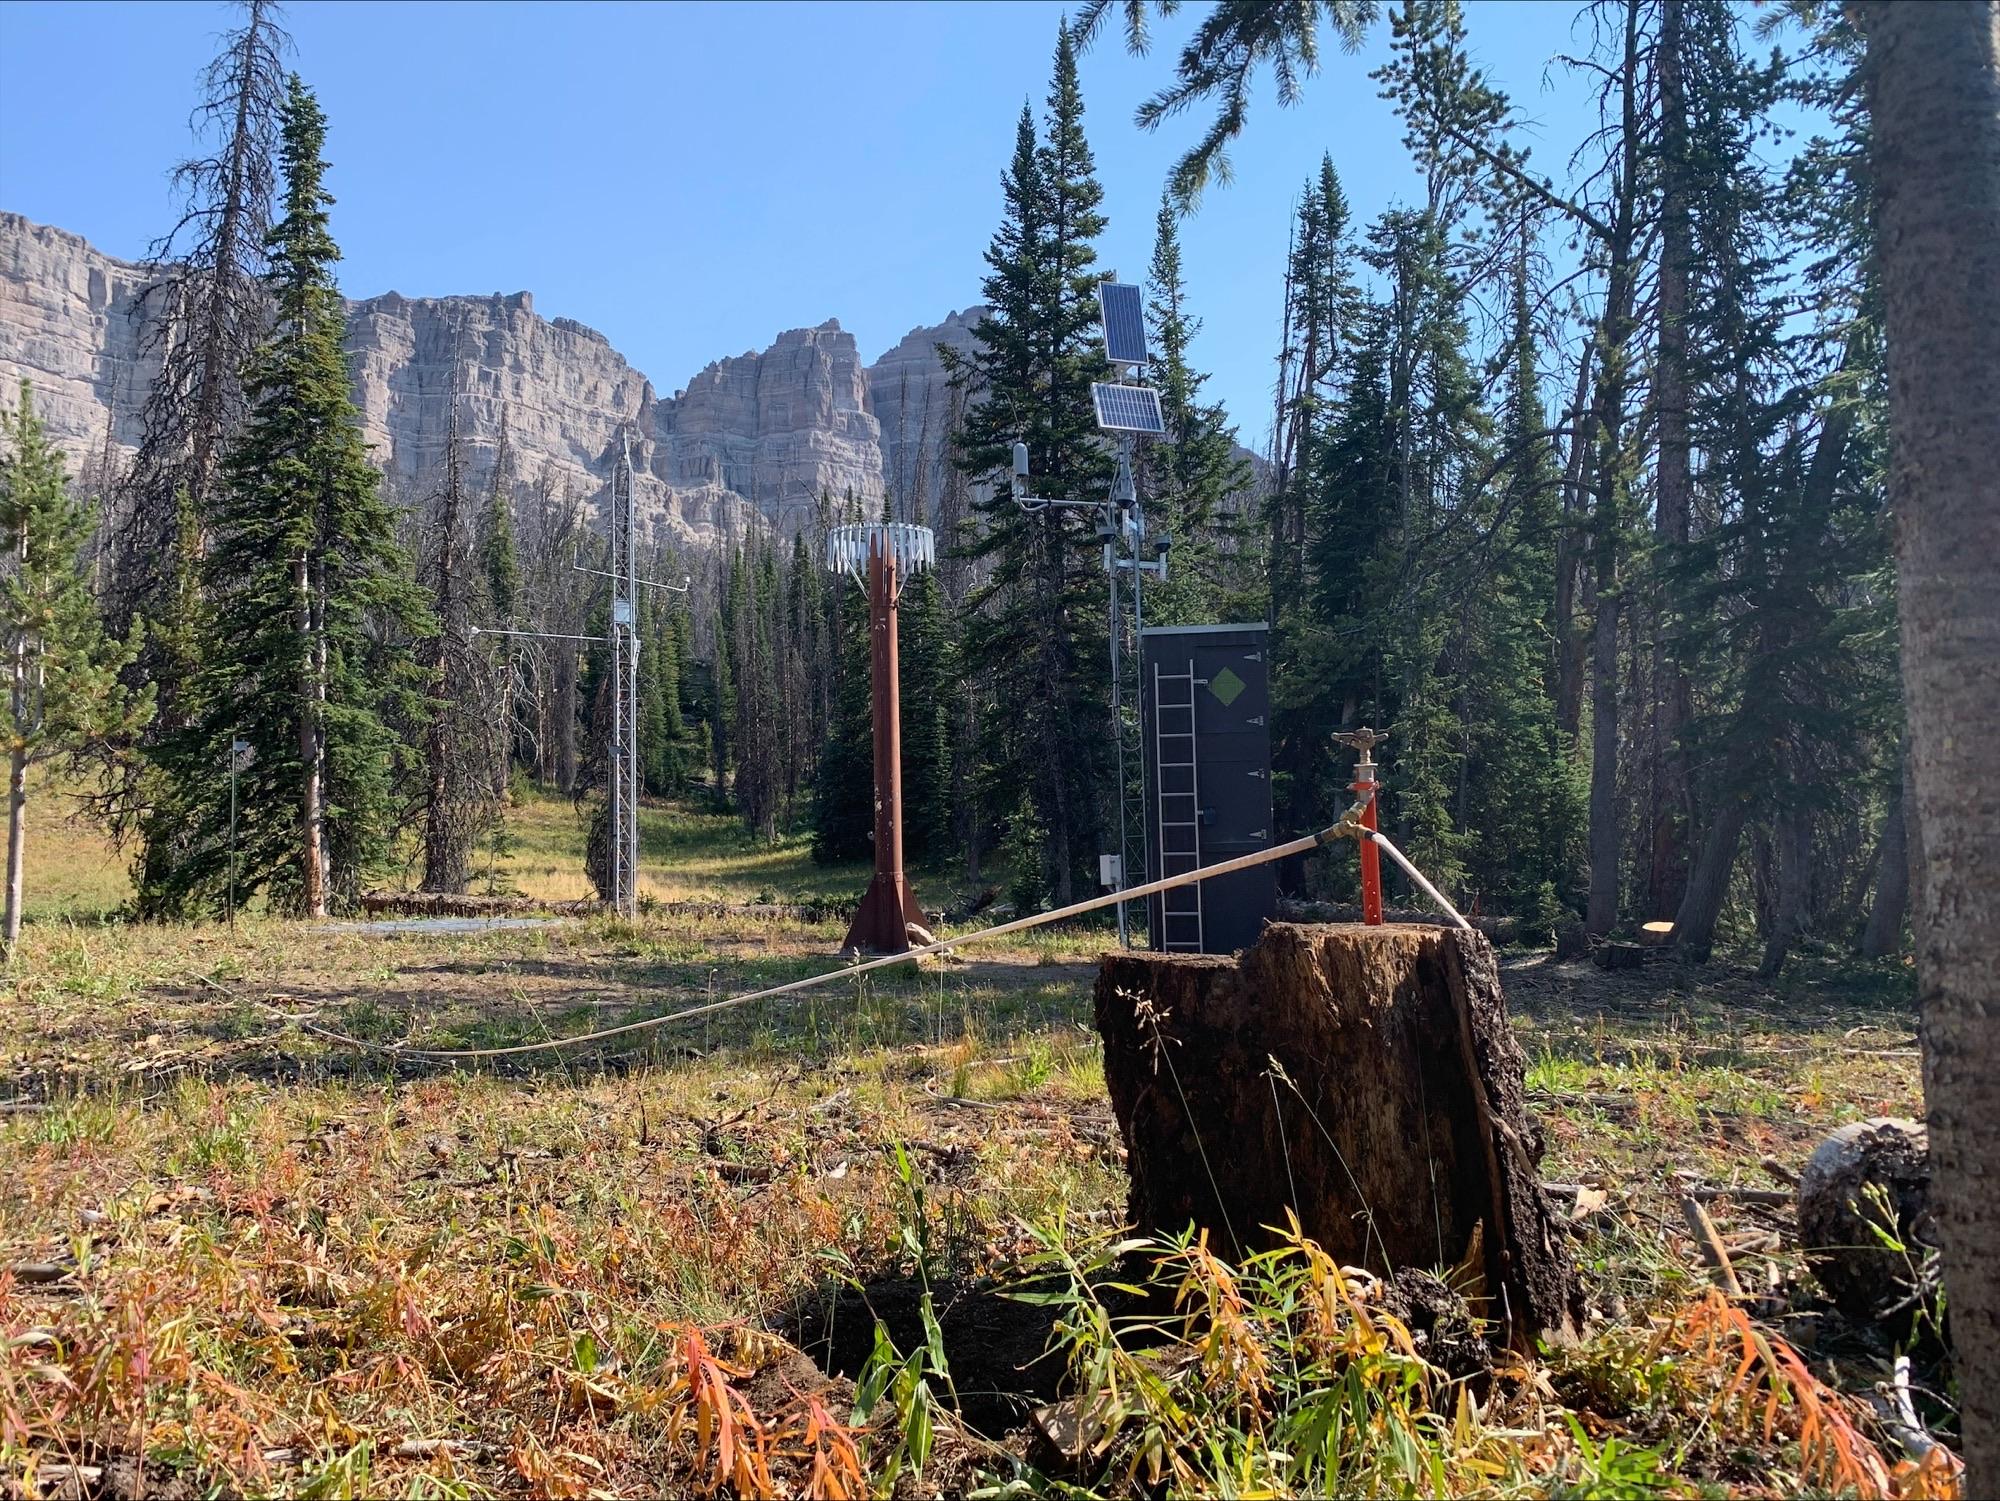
column 1567, row 688
column 1615, row 338
column 1884, row 934
column 1793, row 848
column 312, row 822
column 1365, row 1078
column 17, row 819
column 1708, row 880
column 1933, row 74
column 1670, row 814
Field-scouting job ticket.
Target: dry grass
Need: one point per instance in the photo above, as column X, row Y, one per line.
column 256, row 1261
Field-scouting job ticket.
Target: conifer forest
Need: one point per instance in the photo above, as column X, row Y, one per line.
column 358, row 1141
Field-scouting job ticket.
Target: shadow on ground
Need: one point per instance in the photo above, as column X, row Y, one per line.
column 997, row 1349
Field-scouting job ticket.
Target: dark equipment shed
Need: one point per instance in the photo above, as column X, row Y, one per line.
column 1205, row 706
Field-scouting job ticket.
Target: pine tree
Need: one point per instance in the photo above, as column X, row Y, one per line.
column 928, row 678
column 64, row 698
column 721, row 708
column 806, row 679
column 1030, row 621
column 499, row 559
column 1193, row 474
column 304, row 573
column 843, row 803
column 1780, row 603
column 1334, row 677
column 1321, row 307
column 500, row 564
column 459, row 798
column 660, row 731
column 1519, row 795
column 759, row 733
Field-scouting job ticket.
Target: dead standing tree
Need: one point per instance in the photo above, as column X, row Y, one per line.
column 458, row 783
column 206, row 311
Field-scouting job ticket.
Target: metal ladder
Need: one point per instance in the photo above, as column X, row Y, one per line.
column 1179, row 811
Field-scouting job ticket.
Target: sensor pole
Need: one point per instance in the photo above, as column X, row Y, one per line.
column 1364, row 787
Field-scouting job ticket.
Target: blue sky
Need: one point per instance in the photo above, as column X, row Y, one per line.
column 691, row 179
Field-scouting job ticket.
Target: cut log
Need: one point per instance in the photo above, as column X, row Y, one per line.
column 1364, row 1077
column 1865, row 1218
column 1656, row 934
column 1618, row 956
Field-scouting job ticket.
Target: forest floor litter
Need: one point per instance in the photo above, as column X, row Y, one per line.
column 234, row 1256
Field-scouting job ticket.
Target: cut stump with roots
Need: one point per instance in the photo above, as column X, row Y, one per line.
column 1865, row 1218
column 1365, row 1078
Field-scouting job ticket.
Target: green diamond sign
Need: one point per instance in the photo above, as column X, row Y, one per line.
column 1227, row 686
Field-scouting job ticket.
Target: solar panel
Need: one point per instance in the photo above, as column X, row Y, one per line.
column 1124, row 311
column 1128, row 409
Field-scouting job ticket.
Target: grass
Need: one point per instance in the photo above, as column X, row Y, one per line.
column 287, row 1266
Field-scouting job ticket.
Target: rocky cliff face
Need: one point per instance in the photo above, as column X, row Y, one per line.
column 70, row 321
column 781, row 428
column 910, row 389
column 752, row 442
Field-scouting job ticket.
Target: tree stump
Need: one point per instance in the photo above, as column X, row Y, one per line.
column 1364, row 1077
column 1865, row 1218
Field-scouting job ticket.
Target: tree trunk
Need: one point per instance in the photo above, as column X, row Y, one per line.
column 1615, row 339
column 1708, row 880
column 17, row 781
column 1365, row 1078
column 216, row 366
column 1792, row 845
column 17, row 830
column 1913, row 835
column 1884, row 934
column 1933, row 76
column 1567, row 689
column 1670, row 812
column 312, row 822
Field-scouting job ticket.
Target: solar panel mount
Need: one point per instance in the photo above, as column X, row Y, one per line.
column 1128, row 409
column 1123, row 307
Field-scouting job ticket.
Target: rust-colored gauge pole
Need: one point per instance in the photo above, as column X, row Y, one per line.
column 885, row 553
column 1365, row 787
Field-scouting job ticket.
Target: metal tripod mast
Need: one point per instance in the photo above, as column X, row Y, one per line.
column 623, row 772
column 1123, row 410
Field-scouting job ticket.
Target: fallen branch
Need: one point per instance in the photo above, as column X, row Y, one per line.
column 1713, row 1251
column 84, row 1477
column 431, row 1448
column 40, row 1271
column 1900, row 1421
column 1780, row 1171
column 1709, row 1192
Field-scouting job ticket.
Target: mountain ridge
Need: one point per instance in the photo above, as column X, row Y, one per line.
column 750, row 442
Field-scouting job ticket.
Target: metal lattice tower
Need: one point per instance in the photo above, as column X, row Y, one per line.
column 1128, row 618
column 623, row 771
column 621, row 787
